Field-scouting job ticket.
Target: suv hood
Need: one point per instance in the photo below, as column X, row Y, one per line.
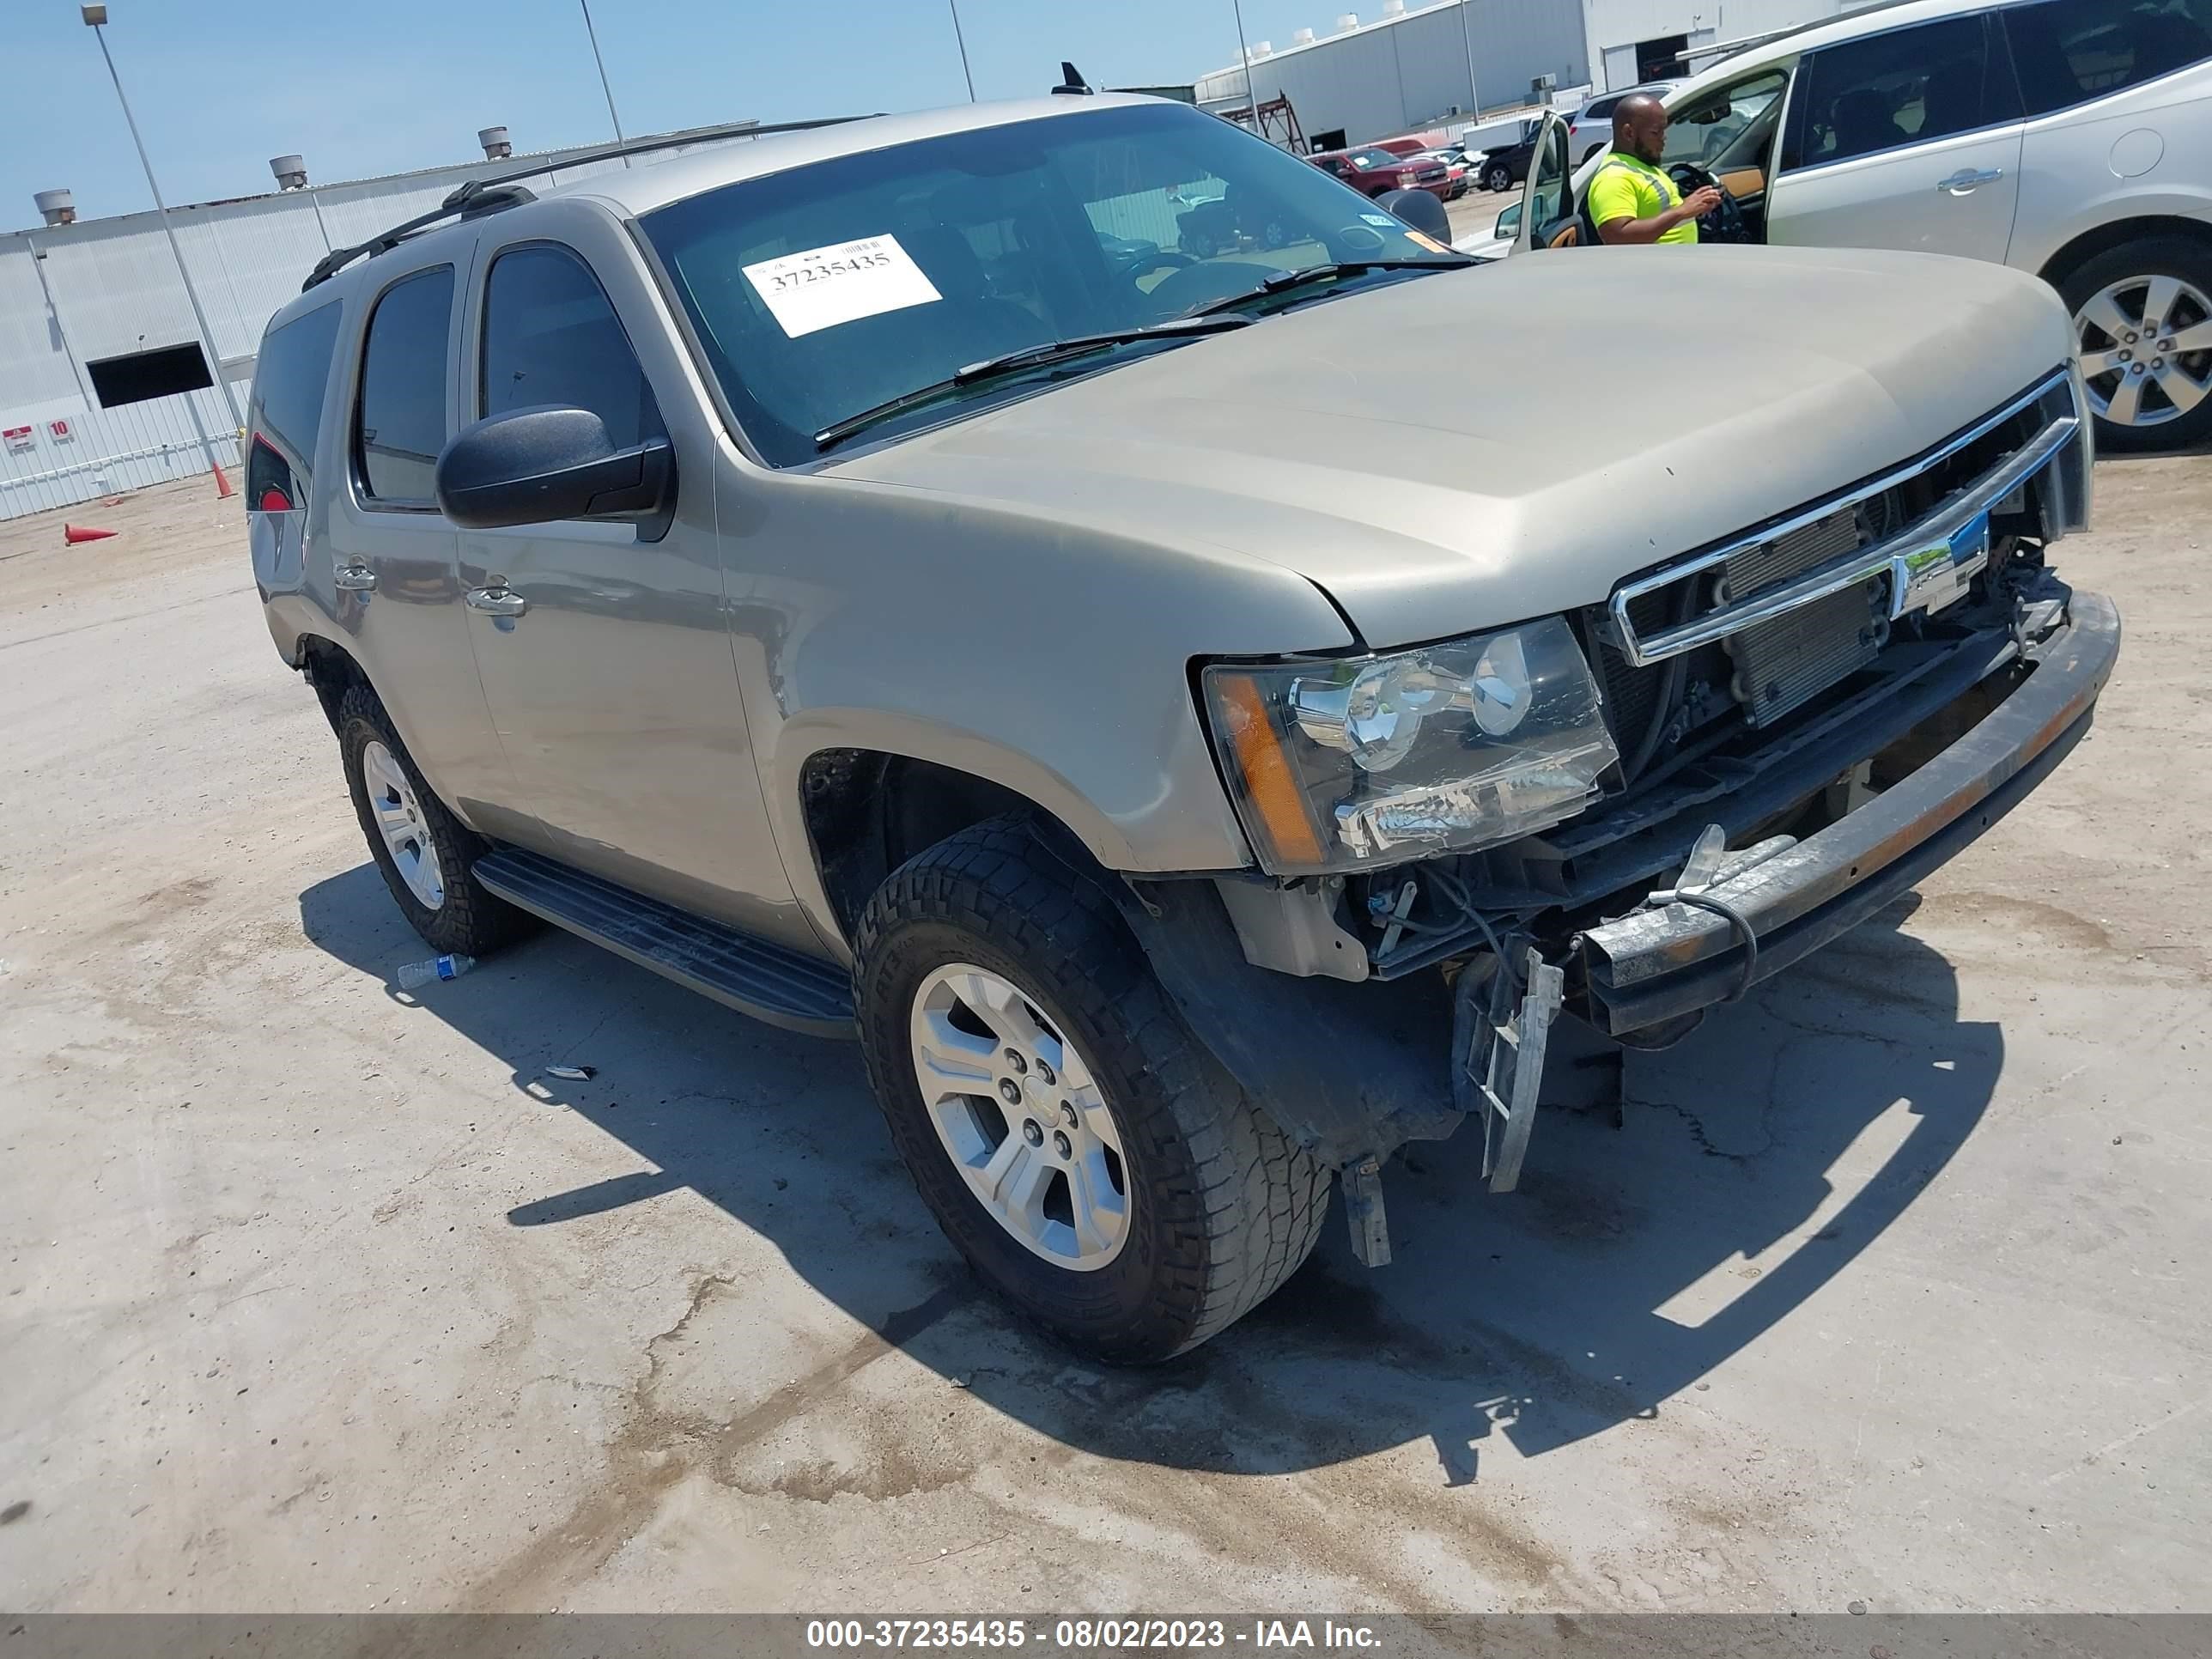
column 1466, row 450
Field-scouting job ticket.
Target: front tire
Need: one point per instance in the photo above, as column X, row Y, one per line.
column 425, row 855
column 2142, row 313
column 1093, row 1164
column 1497, row 177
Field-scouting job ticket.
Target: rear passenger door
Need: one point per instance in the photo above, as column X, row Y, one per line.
column 396, row 587
column 2118, row 98
column 1909, row 138
column 603, row 647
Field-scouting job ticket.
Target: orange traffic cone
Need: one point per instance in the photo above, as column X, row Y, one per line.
column 72, row 534
column 222, row 483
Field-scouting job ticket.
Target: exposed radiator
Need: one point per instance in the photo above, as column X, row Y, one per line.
column 1781, row 663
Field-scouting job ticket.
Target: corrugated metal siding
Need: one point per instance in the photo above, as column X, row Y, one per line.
column 1624, row 23
column 1393, row 76
column 115, row 291
column 112, row 449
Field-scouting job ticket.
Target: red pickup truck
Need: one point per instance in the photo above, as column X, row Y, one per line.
column 1375, row 171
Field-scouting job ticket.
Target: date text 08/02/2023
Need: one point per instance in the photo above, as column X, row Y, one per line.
column 1087, row 1635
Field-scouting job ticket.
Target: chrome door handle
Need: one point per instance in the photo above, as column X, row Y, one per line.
column 499, row 600
column 1964, row 180
column 353, row 579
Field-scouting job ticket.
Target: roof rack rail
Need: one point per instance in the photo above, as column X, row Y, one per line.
column 475, row 197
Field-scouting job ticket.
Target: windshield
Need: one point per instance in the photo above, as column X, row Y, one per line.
column 833, row 287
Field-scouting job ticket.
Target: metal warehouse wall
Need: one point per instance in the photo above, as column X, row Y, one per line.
column 111, row 289
column 1391, row 75
column 1617, row 23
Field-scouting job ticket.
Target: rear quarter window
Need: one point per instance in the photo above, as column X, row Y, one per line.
column 291, row 377
column 2068, row 52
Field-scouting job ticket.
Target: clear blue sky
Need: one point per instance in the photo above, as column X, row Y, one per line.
column 366, row 87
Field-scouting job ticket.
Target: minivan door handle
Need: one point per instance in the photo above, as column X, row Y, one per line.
column 1962, row 182
column 354, row 578
column 497, row 600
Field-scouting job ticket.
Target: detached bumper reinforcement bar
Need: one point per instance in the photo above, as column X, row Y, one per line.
column 1661, row 964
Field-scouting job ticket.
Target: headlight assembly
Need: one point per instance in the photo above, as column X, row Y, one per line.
column 1346, row 765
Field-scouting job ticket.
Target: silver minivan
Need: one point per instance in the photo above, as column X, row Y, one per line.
column 1203, row 710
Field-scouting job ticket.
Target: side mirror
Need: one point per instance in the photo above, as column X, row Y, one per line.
column 1509, row 223
column 546, row 463
column 1420, row 209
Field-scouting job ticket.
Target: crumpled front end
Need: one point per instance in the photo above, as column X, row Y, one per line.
column 1808, row 719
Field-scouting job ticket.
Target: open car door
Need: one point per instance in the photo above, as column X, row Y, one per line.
column 1548, row 200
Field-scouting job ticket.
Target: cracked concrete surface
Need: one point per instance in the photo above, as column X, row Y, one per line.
column 315, row 1296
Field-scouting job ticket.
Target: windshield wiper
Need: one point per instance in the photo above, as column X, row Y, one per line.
column 1008, row 363
column 1282, row 281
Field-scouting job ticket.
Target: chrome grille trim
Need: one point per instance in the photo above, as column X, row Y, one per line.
column 1875, row 559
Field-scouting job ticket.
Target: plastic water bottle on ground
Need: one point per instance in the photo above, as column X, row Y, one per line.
column 416, row 974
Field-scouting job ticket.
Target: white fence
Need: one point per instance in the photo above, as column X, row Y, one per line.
column 66, row 454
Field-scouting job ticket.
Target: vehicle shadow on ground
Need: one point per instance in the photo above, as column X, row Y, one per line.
column 1795, row 1127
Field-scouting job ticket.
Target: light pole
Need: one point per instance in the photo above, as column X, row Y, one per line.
column 1467, row 40
column 95, row 18
column 1251, row 89
column 593, row 35
column 963, row 39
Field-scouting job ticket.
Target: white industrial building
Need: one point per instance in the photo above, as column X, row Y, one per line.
column 1407, row 69
column 104, row 386
column 1411, row 68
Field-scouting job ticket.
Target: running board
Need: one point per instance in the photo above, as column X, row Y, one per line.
column 757, row 976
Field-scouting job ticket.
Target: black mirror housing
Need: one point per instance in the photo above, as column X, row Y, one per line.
column 1419, row 208
column 549, row 463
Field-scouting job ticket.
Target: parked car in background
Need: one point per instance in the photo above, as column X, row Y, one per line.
column 1457, row 173
column 1375, row 171
column 1590, row 132
column 1504, row 167
column 2070, row 138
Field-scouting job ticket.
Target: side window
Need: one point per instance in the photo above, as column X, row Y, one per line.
column 551, row 335
column 2068, row 52
column 1906, row 87
column 400, row 420
column 291, row 373
column 1714, row 128
column 1599, row 111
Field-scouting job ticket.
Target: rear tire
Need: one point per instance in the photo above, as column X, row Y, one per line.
column 426, row 855
column 2168, row 393
column 1211, row 1207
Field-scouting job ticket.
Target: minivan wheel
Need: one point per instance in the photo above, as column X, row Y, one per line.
column 2144, row 314
column 424, row 853
column 1497, row 177
column 1093, row 1164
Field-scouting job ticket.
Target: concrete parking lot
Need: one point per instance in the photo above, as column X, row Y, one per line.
column 315, row 1296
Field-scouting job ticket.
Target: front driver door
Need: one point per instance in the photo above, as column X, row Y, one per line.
column 603, row 647
column 1907, row 139
column 1548, row 200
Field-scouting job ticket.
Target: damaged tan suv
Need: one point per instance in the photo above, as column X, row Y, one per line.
column 1201, row 716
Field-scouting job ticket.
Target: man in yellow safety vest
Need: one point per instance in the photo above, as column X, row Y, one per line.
column 1631, row 199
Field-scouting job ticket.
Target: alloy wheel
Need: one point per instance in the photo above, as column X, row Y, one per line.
column 399, row 820
column 2146, row 349
column 1018, row 1113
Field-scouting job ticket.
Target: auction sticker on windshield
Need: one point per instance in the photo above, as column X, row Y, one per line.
column 824, row 287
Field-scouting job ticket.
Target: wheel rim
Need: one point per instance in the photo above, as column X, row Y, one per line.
column 2146, row 349
column 400, row 821
column 1020, row 1116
